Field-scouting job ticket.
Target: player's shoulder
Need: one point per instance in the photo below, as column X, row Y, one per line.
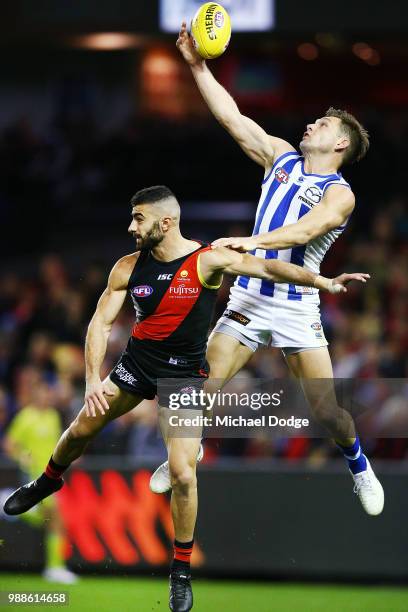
column 339, row 196
column 122, row 270
column 281, row 149
column 340, row 191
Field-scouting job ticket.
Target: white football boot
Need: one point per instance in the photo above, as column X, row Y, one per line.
column 369, row 490
column 60, row 574
column 160, row 481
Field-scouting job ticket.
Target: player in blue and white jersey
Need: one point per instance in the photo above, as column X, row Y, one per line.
column 304, row 206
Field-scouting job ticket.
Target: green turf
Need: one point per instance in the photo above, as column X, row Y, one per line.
column 147, row 595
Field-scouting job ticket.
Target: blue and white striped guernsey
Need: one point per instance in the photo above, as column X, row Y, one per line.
column 288, row 193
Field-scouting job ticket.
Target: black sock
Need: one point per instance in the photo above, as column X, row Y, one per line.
column 53, row 471
column 182, row 554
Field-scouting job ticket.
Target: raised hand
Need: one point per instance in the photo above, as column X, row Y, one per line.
column 185, row 46
column 338, row 284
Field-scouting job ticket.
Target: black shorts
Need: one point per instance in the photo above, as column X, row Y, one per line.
column 154, row 373
column 127, row 376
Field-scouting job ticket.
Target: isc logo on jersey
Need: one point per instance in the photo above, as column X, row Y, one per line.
column 281, row 175
column 142, row 291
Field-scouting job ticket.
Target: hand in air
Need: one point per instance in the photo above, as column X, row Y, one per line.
column 185, row 46
column 95, row 400
column 242, row 245
column 338, row 284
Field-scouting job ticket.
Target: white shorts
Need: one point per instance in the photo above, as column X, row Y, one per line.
column 285, row 324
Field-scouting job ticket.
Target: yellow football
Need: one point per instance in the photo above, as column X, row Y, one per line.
column 211, row 30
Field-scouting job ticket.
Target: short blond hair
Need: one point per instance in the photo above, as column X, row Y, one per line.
column 357, row 134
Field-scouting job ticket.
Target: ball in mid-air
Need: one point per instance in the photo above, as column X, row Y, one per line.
column 211, row 30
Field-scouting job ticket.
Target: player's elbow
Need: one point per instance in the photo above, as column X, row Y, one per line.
column 99, row 325
column 303, row 236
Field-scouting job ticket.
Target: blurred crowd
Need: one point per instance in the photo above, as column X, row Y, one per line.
column 45, row 308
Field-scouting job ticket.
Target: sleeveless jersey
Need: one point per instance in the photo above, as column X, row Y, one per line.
column 288, row 193
column 174, row 308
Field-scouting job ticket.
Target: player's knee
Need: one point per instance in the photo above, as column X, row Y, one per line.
column 183, row 477
column 325, row 415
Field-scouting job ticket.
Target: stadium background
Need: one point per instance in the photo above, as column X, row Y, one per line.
column 83, row 125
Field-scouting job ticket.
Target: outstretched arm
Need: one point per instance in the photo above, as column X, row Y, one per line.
column 333, row 211
column 107, row 310
column 221, row 260
column 256, row 143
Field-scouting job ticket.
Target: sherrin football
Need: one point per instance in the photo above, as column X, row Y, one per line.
column 211, row 30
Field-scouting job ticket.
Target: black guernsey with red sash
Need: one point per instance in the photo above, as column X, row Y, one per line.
column 174, row 308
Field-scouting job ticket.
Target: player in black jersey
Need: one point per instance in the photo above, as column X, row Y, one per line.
column 173, row 283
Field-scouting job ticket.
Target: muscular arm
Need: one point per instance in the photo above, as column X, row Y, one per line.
column 255, row 142
column 221, row 260
column 107, row 310
column 333, row 211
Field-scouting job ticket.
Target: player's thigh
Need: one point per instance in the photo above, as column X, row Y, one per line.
column 177, row 426
column 226, row 356
column 120, row 402
column 314, row 369
column 312, row 363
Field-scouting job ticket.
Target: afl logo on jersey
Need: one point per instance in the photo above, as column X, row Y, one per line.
column 281, row 176
column 142, row 291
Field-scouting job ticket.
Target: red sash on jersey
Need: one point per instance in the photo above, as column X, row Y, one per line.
column 178, row 301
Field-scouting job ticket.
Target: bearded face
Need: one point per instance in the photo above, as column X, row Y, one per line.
column 148, row 238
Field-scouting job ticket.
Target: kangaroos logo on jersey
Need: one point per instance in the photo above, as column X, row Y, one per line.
column 312, row 195
column 281, row 175
column 142, row 291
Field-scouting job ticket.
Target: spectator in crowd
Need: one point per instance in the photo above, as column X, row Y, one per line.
column 29, row 441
